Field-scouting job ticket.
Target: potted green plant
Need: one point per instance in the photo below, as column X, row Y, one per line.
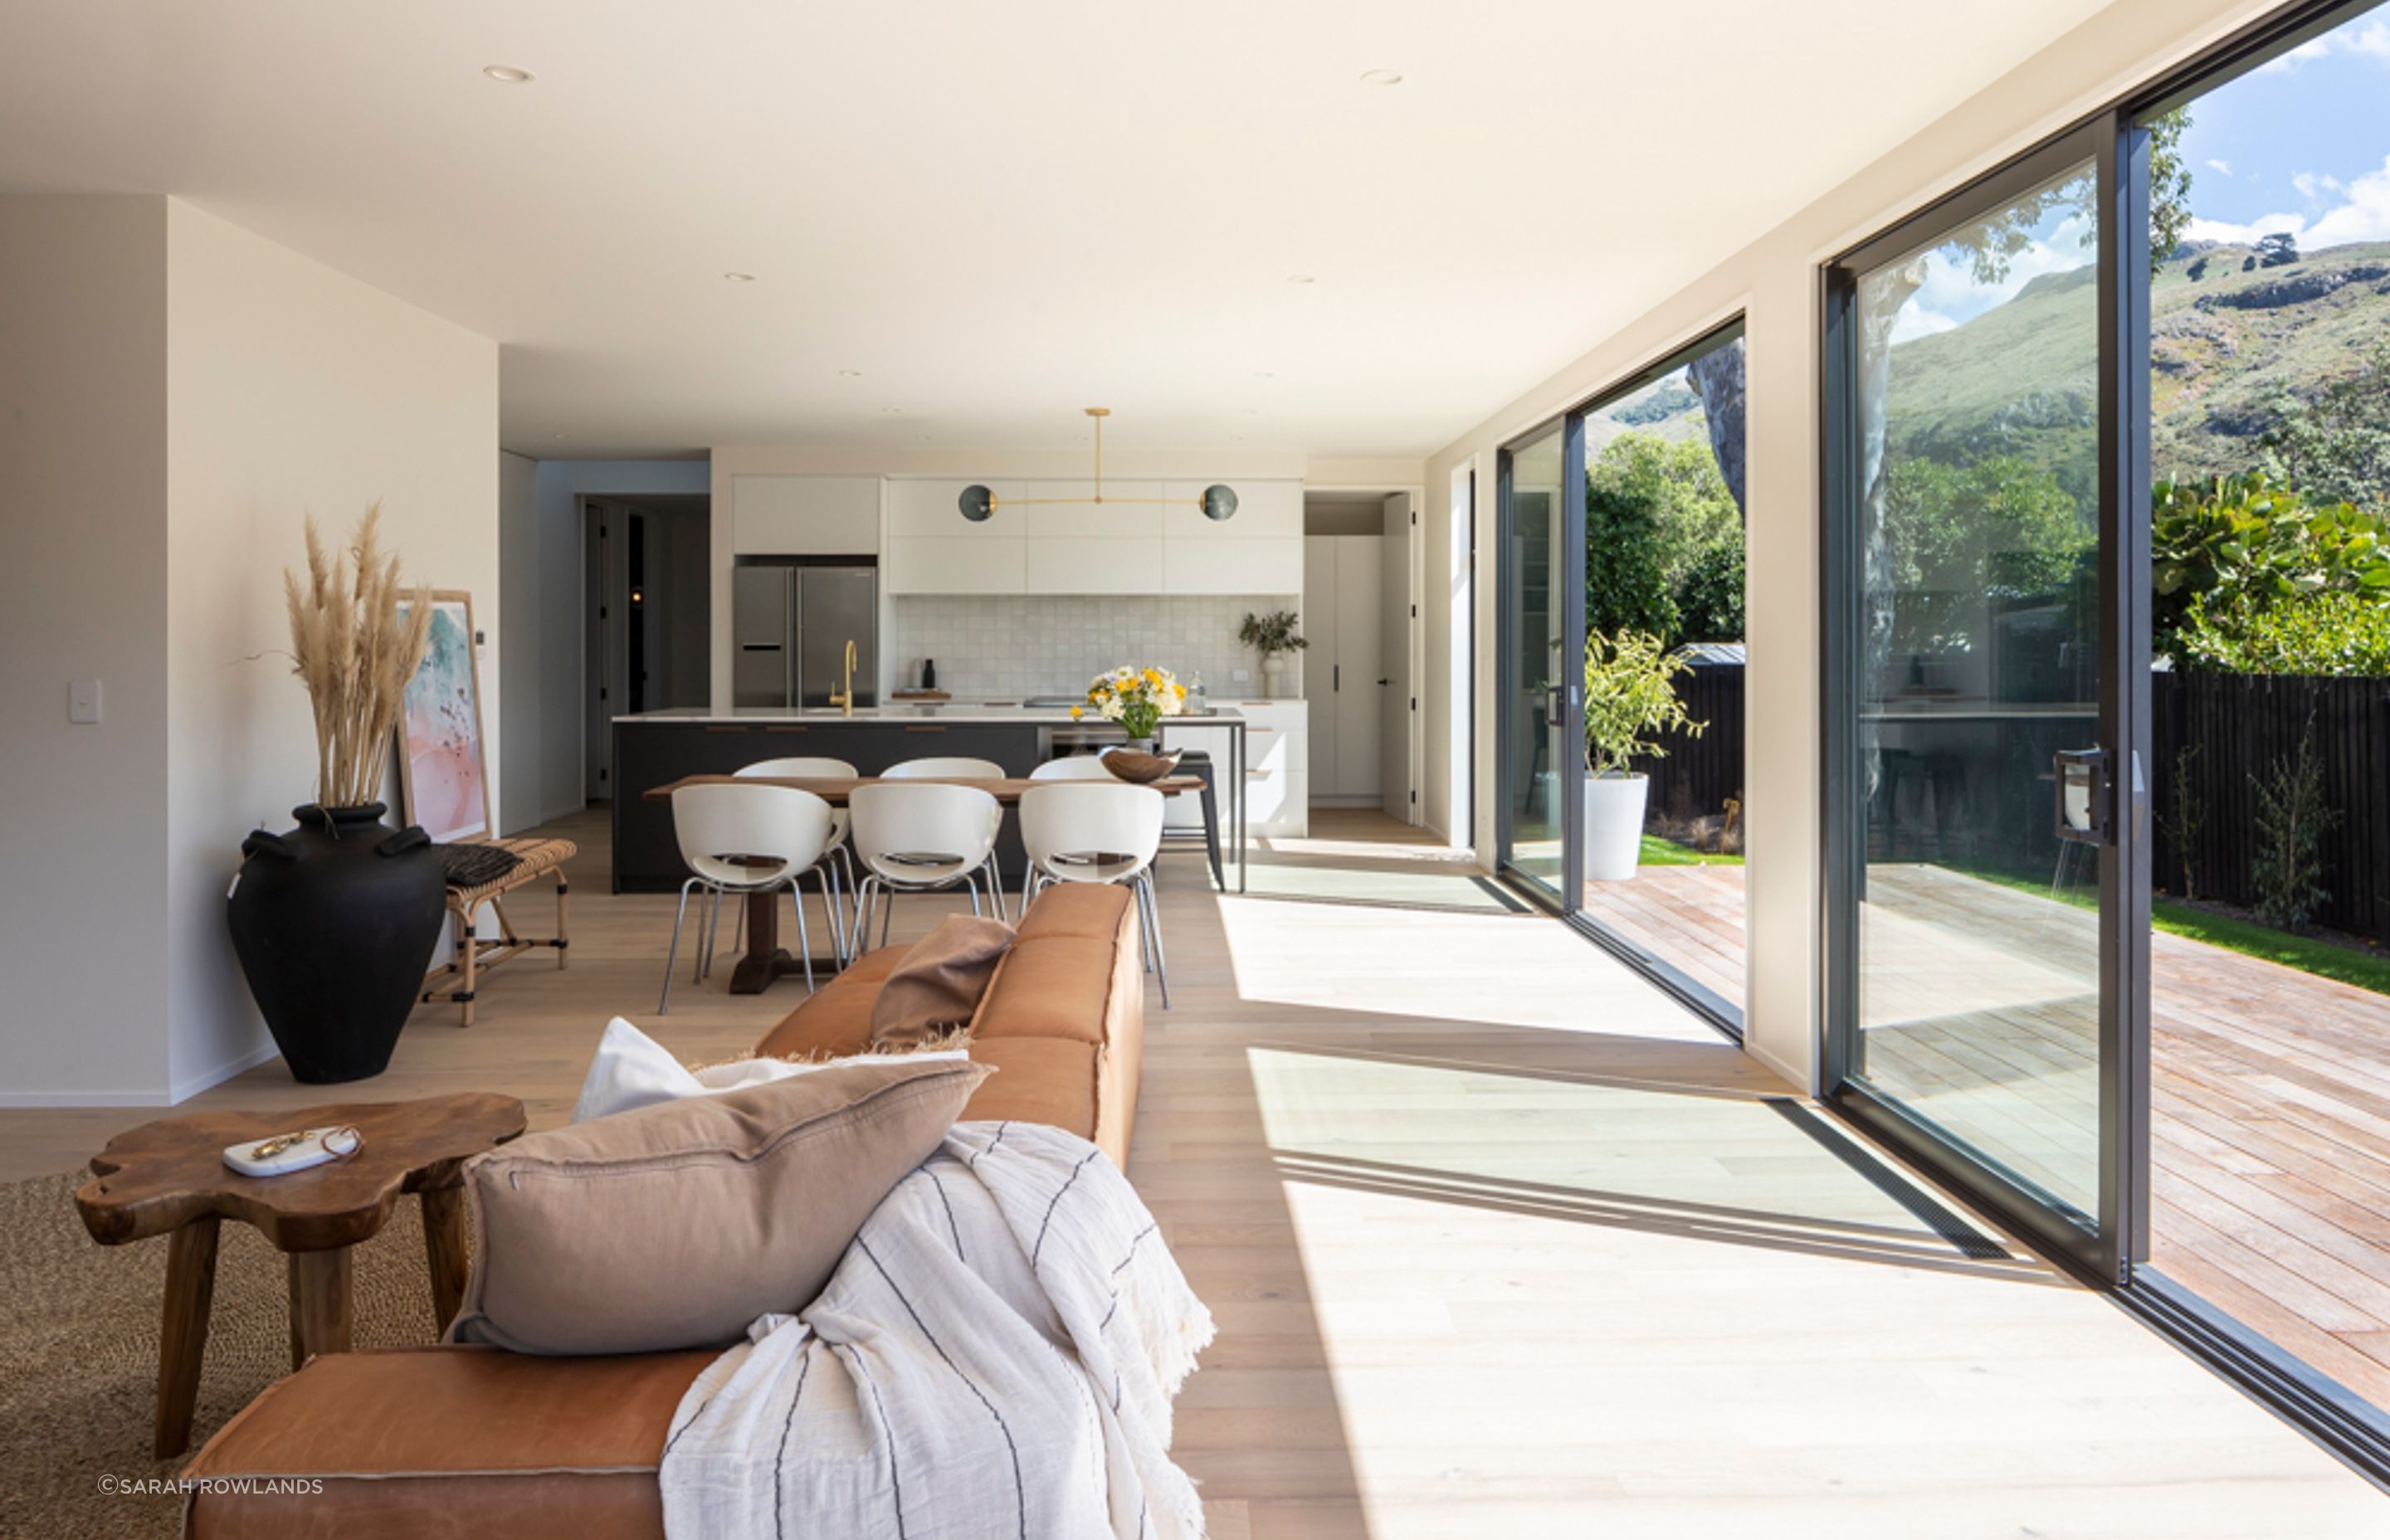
column 1274, row 637
column 1630, row 697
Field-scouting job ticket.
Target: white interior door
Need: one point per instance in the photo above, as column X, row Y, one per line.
column 1358, row 666
column 1396, row 697
column 1318, row 660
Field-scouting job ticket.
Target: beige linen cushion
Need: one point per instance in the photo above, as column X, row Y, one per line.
column 937, row 986
column 677, row 1224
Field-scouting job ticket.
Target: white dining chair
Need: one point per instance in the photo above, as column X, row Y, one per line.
column 960, row 767
column 1074, row 767
column 742, row 839
column 837, row 862
column 919, row 838
column 1080, row 830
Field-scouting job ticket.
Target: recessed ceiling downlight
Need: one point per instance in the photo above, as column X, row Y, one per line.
column 739, row 278
column 1382, row 77
column 1301, row 279
column 508, row 74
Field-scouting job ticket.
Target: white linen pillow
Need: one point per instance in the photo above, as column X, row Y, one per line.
column 632, row 1070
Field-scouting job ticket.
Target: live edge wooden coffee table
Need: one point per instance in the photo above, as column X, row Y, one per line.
column 169, row 1178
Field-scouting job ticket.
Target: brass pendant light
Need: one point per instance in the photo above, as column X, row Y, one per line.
column 978, row 503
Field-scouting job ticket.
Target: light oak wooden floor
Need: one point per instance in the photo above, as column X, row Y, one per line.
column 1504, row 1245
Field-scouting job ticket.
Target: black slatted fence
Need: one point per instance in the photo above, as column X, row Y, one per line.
column 2240, row 728
column 1700, row 774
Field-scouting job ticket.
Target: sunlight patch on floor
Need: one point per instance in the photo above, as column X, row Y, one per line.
column 1497, row 970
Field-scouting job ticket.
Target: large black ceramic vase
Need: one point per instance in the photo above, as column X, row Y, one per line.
column 335, row 922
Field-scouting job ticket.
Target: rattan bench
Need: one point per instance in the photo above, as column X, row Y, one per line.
column 476, row 955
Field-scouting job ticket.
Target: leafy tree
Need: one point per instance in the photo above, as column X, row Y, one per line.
column 2246, row 537
column 1626, row 585
column 2000, row 529
column 2335, row 633
column 1709, row 599
column 2338, row 446
column 2279, row 250
column 1652, row 507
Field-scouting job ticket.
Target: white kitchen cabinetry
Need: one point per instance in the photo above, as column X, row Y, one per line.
column 1276, row 788
column 1278, row 767
column 1074, row 546
column 805, row 515
column 1259, row 551
column 934, row 549
column 1341, row 618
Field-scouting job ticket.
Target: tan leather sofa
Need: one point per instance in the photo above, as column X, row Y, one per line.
column 421, row 1443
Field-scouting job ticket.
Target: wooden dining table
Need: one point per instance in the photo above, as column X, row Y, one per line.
column 765, row 959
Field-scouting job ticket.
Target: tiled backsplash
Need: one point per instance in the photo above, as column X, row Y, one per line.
column 1005, row 646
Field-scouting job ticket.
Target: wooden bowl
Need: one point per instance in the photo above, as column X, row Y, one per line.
column 1137, row 767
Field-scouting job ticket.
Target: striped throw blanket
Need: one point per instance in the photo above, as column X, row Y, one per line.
column 995, row 1359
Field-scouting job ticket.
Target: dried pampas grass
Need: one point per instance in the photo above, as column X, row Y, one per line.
column 355, row 654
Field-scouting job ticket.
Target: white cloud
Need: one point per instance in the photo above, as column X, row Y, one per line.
column 1916, row 321
column 2313, row 48
column 2246, row 235
column 2366, row 214
column 2221, row 167
column 2362, row 215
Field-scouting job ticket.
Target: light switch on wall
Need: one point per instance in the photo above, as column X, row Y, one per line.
column 83, row 700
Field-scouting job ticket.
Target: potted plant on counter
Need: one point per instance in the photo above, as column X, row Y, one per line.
column 335, row 920
column 1274, row 637
column 1630, row 697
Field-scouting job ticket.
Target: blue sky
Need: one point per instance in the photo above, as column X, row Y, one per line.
column 2301, row 144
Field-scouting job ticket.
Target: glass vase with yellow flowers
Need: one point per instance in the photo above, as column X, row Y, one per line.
column 1136, row 697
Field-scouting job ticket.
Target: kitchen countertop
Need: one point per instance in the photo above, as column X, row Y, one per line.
column 978, row 712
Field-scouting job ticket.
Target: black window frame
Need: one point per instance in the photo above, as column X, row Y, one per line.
column 2338, row 1419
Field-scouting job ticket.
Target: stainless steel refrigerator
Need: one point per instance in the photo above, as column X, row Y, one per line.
column 791, row 624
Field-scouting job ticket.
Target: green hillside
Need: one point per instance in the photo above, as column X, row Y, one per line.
column 2226, row 338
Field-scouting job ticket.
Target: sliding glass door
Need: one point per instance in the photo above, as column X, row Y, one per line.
column 1536, row 765
column 1983, row 934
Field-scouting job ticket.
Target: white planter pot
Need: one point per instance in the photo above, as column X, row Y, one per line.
column 1273, row 677
column 1614, row 826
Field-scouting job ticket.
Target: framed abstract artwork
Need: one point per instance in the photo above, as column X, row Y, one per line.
column 444, row 776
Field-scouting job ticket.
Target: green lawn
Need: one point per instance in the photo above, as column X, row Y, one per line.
column 2323, row 958
column 1668, row 852
column 2365, row 969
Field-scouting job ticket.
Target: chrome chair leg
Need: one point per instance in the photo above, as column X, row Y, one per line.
column 1149, row 916
column 805, row 942
column 970, row 881
column 663, row 1003
column 994, row 885
column 835, row 902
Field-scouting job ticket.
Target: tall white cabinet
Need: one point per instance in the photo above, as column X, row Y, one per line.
column 1342, row 589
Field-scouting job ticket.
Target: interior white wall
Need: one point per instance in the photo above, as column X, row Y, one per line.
column 542, row 578
column 518, row 622
column 82, row 595
column 290, row 389
column 1774, row 284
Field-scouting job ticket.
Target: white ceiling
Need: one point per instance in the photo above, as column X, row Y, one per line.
column 999, row 210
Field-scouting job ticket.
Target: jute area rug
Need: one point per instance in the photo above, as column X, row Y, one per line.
column 79, row 1355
